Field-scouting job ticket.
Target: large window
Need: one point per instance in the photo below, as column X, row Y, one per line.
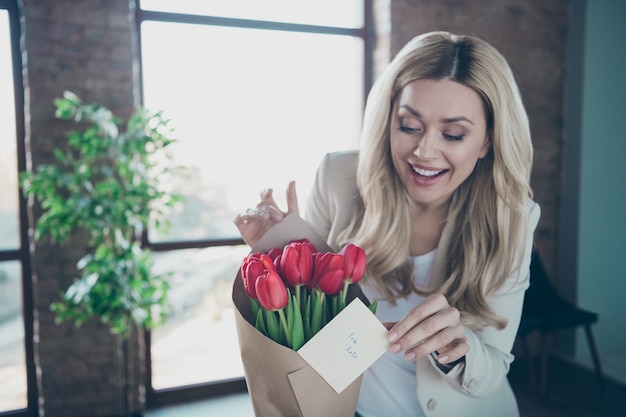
column 16, row 370
column 257, row 92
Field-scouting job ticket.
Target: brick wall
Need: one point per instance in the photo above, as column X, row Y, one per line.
column 532, row 35
column 86, row 47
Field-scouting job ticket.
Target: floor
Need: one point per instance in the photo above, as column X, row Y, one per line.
column 233, row 405
column 572, row 392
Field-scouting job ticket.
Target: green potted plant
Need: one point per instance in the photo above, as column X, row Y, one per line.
column 108, row 185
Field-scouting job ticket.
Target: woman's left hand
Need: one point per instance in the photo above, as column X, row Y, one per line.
column 432, row 326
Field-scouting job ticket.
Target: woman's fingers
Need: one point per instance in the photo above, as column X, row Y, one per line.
column 252, row 216
column 433, row 326
column 255, row 222
column 405, row 332
column 292, row 198
column 269, row 207
column 449, row 343
column 454, row 351
column 431, row 333
column 269, row 204
column 252, row 224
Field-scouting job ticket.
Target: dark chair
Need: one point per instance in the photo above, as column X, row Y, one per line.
column 546, row 311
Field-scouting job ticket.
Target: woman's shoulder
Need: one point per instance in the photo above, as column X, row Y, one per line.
column 534, row 212
column 337, row 171
column 341, row 161
column 330, row 205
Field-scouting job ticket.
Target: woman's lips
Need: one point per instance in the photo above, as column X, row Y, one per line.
column 426, row 175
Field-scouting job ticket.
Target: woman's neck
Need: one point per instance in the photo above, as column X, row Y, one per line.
column 427, row 225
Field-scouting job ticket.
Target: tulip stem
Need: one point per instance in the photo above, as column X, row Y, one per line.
column 283, row 321
column 344, row 292
column 297, row 291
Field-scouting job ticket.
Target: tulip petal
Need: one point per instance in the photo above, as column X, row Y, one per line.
column 271, row 291
column 354, row 262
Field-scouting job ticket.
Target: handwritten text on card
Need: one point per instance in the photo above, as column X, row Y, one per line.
column 346, row 346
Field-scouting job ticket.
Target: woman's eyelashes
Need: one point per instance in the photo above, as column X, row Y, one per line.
column 416, row 130
column 453, row 138
column 407, row 129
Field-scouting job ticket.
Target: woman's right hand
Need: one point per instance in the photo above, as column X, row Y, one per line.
column 255, row 222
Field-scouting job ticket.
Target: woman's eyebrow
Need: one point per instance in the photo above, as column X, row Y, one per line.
column 411, row 110
column 457, row 119
column 445, row 120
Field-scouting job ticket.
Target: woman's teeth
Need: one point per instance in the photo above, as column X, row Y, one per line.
column 426, row 172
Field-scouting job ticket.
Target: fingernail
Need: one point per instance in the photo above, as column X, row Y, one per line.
column 392, row 336
column 395, row 348
column 410, row 356
column 443, row 359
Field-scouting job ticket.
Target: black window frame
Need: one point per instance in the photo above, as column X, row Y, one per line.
column 22, row 253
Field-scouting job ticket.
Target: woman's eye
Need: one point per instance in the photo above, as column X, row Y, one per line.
column 453, row 137
column 407, row 129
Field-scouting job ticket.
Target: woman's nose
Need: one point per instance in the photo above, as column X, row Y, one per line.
column 426, row 148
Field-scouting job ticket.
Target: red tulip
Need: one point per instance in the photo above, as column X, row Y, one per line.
column 354, row 261
column 306, row 241
column 328, row 272
column 296, row 263
column 253, row 266
column 271, row 291
column 274, row 253
column 312, row 284
column 277, row 263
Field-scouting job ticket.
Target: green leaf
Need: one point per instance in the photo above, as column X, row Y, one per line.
column 296, row 325
column 340, row 303
column 326, row 311
column 308, row 332
column 255, row 307
column 273, row 328
column 373, row 306
column 260, row 323
column 318, row 307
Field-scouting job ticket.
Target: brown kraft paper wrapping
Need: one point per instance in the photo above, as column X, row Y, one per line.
column 280, row 382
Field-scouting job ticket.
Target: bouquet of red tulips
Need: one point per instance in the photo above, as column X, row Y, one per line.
column 296, row 290
column 286, row 290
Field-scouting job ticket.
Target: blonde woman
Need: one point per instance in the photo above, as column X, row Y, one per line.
column 439, row 198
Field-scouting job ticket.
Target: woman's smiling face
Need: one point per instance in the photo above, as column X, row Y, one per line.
column 438, row 133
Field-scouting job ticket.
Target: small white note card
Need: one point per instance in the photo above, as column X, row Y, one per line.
column 346, row 346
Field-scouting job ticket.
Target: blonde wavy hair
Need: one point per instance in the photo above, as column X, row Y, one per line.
column 489, row 210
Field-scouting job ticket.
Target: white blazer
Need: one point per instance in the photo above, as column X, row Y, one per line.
column 477, row 386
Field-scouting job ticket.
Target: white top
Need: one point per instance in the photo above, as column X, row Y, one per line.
column 389, row 386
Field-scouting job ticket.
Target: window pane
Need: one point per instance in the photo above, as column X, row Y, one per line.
column 254, row 109
column 13, row 385
column 344, row 13
column 9, row 218
column 198, row 343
